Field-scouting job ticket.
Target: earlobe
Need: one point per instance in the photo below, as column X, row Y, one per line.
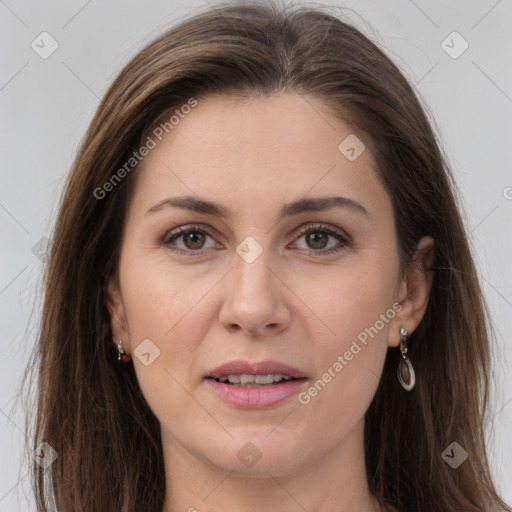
column 414, row 290
column 115, row 307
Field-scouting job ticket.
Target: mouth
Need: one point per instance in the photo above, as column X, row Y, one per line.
column 243, row 374
column 248, row 381
column 255, row 385
column 246, row 374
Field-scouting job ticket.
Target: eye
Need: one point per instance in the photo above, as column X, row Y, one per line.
column 317, row 237
column 192, row 239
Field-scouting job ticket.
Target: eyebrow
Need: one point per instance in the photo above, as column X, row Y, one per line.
column 198, row 205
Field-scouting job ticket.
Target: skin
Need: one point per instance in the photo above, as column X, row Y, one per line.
column 253, row 155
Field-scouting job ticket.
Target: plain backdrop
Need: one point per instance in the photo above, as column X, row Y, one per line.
column 47, row 103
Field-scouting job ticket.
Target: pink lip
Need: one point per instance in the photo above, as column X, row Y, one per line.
column 256, row 368
column 255, row 398
column 265, row 396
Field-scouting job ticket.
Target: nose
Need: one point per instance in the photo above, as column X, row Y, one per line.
column 255, row 298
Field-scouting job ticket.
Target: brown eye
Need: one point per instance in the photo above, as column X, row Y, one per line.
column 317, row 240
column 193, row 240
column 188, row 239
column 318, row 237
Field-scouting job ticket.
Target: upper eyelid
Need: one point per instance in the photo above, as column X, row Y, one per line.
column 322, row 226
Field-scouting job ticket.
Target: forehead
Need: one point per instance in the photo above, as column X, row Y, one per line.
column 272, row 149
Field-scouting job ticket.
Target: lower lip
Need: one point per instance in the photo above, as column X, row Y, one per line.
column 253, row 398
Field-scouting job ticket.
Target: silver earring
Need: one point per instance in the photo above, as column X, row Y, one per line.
column 405, row 371
column 121, row 354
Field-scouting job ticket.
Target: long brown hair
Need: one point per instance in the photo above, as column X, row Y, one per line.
column 90, row 409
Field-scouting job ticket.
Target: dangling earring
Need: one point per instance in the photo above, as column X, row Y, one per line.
column 121, row 354
column 405, row 370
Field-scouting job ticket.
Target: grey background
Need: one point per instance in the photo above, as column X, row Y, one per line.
column 46, row 105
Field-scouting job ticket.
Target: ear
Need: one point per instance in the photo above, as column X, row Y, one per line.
column 413, row 291
column 115, row 306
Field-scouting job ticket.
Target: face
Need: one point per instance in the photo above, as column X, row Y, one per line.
column 271, row 280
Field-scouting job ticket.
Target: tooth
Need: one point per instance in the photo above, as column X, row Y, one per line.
column 264, row 379
column 250, row 385
column 251, row 381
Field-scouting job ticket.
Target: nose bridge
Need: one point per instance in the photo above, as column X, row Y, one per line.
column 251, row 273
column 253, row 298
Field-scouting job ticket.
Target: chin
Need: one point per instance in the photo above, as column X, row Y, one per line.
column 257, row 456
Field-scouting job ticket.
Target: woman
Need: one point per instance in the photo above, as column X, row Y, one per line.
column 260, row 292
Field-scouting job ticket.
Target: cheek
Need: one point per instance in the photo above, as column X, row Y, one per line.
column 349, row 299
column 356, row 308
column 165, row 320
column 160, row 297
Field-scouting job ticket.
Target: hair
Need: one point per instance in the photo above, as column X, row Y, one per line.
column 90, row 409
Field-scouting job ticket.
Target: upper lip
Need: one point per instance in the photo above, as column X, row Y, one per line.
column 255, row 368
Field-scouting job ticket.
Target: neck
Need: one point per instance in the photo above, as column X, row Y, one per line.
column 334, row 482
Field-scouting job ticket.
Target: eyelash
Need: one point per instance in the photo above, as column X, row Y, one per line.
column 311, row 228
